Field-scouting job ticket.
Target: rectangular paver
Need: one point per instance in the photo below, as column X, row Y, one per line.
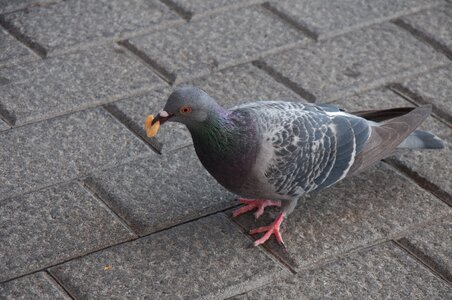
column 358, row 211
column 229, row 87
column 55, row 86
column 161, row 191
column 382, row 272
column 72, row 24
column 206, row 259
column 435, row 23
column 432, row 165
column 355, row 61
column 219, row 41
column 52, row 225
column 62, row 148
column 12, row 51
column 434, row 87
column 200, row 8
column 326, row 18
column 36, row 286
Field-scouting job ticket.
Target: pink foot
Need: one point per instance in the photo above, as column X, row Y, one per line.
column 269, row 230
column 252, row 204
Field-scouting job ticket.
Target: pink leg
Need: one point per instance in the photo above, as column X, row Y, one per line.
column 252, row 204
column 269, row 230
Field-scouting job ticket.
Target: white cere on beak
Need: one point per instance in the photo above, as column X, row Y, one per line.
column 163, row 114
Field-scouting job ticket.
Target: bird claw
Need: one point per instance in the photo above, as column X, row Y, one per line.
column 269, row 230
column 252, row 204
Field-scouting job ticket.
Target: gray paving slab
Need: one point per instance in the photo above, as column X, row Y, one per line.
column 62, row 148
column 435, row 22
column 206, row 259
column 200, row 8
column 433, row 165
column 161, row 191
column 435, row 242
column 329, row 18
column 434, row 87
column 46, row 227
column 35, row 286
column 12, row 51
column 210, row 43
column 12, row 5
column 3, row 126
column 374, row 205
column 382, row 272
column 72, row 24
column 50, row 87
column 230, row 87
column 356, row 61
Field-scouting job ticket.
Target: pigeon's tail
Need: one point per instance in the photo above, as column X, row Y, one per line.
column 420, row 139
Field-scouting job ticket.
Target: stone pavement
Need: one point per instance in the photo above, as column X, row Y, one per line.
column 88, row 209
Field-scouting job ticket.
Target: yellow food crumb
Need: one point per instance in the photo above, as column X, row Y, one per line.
column 151, row 130
column 108, row 267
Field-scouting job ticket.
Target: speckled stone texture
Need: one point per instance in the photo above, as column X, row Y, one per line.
column 381, row 272
column 3, row 125
column 55, row 86
column 72, row 24
column 12, row 51
column 356, row 61
column 161, row 191
column 435, row 22
column 62, row 148
column 200, row 8
column 206, row 259
column 12, row 5
column 434, row 87
column 374, row 205
column 435, row 241
column 201, row 46
column 230, row 87
column 36, row 286
column 32, row 227
column 327, row 18
column 433, row 165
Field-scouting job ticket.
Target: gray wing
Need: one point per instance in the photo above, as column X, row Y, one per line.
column 306, row 147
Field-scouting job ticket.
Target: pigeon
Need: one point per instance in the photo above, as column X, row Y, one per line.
column 272, row 153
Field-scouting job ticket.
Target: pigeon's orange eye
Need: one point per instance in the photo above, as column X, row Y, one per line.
column 185, row 109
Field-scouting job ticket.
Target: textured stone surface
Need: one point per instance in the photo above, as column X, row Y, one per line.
column 35, row 286
column 12, row 51
column 435, row 22
column 209, row 258
column 433, row 165
column 46, row 88
column 47, row 227
column 434, row 87
column 352, row 62
column 62, row 148
column 436, row 242
column 3, row 125
column 328, row 18
column 215, row 42
column 230, row 87
column 67, row 24
column 162, row 191
column 382, row 272
column 198, row 8
column 11, row 5
column 374, row 205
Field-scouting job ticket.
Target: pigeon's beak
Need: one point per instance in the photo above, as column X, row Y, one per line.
column 152, row 124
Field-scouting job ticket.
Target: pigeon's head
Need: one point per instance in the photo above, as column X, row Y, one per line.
column 187, row 105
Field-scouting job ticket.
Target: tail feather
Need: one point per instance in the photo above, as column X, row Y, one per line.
column 420, row 139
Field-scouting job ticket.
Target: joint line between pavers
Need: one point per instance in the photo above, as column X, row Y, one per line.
column 134, row 128
column 149, row 62
column 405, row 245
column 417, row 99
column 54, row 280
column 420, row 181
column 424, row 37
column 305, row 94
column 182, row 12
column 18, row 35
column 297, row 24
